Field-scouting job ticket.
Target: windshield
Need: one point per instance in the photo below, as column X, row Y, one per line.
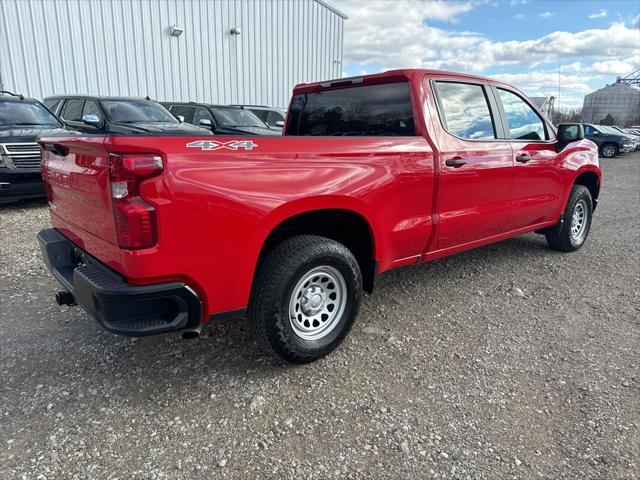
column 27, row 114
column 134, row 111
column 608, row 129
column 237, row 118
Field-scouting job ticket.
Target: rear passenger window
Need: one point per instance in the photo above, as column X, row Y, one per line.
column 524, row 123
column 201, row 114
column 52, row 104
column 465, row 110
column 372, row 110
column 91, row 108
column 72, row 110
column 274, row 117
column 261, row 114
column 183, row 111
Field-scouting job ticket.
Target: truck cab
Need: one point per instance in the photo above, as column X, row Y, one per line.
column 22, row 120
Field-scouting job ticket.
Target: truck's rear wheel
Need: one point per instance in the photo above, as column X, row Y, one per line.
column 305, row 297
column 572, row 231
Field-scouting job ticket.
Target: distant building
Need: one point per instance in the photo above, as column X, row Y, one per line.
column 545, row 104
column 616, row 104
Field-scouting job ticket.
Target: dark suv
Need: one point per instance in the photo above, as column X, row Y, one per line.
column 221, row 119
column 22, row 120
column 610, row 142
column 119, row 115
column 274, row 117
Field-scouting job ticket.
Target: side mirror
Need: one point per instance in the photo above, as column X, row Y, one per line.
column 205, row 122
column 570, row 132
column 93, row 120
column 280, row 123
column 567, row 133
column 180, row 118
column 596, row 132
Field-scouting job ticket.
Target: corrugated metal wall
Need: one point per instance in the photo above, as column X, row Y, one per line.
column 620, row 101
column 123, row 47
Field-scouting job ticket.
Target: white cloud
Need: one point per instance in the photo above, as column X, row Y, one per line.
column 614, row 67
column 573, row 67
column 386, row 34
column 636, row 22
column 547, row 14
column 545, row 84
column 598, row 14
column 394, row 34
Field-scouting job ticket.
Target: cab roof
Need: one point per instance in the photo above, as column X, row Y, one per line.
column 210, row 105
column 17, row 99
column 100, row 97
column 391, row 75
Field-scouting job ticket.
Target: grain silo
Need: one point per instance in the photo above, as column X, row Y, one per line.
column 617, row 104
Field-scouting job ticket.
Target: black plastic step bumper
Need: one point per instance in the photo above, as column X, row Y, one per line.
column 119, row 307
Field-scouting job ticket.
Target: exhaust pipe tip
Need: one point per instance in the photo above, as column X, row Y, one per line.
column 65, row 298
column 191, row 334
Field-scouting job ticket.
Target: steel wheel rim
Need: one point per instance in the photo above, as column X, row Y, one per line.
column 579, row 222
column 608, row 151
column 317, row 302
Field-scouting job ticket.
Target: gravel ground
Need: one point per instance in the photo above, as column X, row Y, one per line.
column 511, row 361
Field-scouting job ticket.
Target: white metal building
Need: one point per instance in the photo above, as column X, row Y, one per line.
column 229, row 51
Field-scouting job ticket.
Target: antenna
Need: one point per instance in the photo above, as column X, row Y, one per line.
column 559, row 72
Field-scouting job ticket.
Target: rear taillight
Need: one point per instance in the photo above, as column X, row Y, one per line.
column 44, row 173
column 135, row 219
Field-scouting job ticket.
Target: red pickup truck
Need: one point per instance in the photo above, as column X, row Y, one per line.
column 159, row 233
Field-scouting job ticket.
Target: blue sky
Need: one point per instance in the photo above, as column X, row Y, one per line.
column 518, row 41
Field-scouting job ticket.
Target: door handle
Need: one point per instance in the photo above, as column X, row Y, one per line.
column 455, row 162
column 523, row 158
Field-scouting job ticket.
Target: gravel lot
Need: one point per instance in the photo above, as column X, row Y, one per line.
column 511, row 361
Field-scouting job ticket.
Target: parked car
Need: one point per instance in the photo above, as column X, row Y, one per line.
column 274, row 117
column 22, row 120
column 634, row 135
column 125, row 115
column 221, row 119
column 610, row 143
column 373, row 173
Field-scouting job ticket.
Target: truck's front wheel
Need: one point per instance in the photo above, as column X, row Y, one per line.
column 572, row 231
column 305, row 297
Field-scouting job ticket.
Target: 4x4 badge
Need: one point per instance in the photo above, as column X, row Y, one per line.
column 215, row 145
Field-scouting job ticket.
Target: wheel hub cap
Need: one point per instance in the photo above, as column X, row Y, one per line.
column 313, row 299
column 579, row 221
column 317, row 302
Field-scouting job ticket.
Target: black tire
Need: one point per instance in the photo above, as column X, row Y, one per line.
column 278, row 274
column 561, row 237
column 609, row 150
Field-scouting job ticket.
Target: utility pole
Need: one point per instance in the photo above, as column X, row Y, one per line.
column 559, row 71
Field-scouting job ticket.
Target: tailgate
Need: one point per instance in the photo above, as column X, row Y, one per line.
column 76, row 172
